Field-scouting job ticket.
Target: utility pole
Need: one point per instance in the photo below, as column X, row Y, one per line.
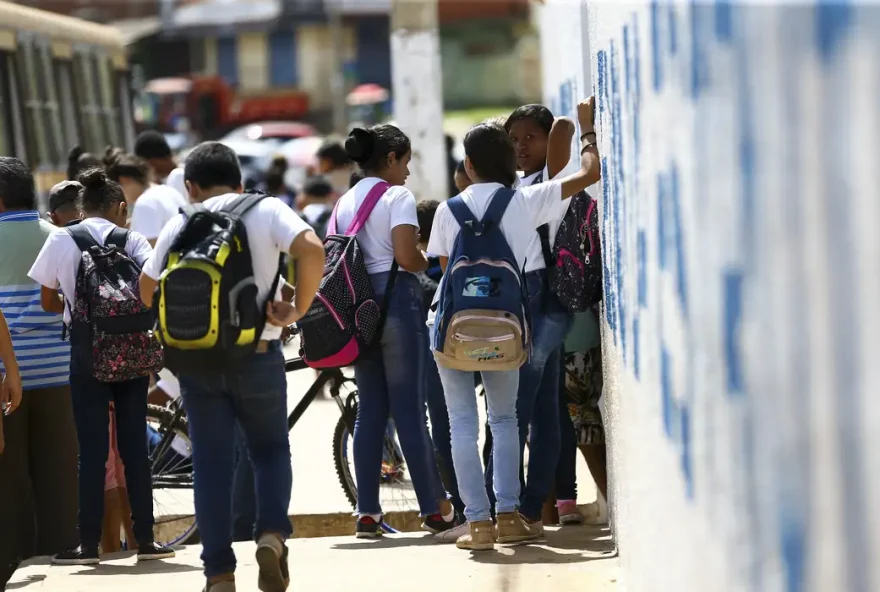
column 417, row 89
column 337, row 86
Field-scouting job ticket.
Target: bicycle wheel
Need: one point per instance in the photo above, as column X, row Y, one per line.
column 171, row 471
column 396, row 492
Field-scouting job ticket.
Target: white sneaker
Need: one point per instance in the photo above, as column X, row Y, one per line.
column 453, row 534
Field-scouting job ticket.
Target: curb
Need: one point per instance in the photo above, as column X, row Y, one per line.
column 307, row 526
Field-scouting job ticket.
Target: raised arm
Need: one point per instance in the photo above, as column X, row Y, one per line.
column 591, row 168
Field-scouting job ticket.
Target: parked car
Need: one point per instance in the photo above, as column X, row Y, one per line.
column 279, row 131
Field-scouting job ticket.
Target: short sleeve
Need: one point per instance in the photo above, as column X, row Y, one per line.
column 153, row 267
column 175, row 181
column 285, row 225
column 138, row 248
column 542, row 201
column 402, row 206
column 45, row 269
column 440, row 243
column 148, row 218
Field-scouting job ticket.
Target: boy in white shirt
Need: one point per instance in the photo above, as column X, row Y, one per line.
column 253, row 395
column 491, row 165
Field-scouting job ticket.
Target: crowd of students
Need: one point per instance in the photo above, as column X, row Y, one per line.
column 144, row 206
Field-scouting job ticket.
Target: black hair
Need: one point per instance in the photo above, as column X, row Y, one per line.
column 355, row 178
column 99, row 193
column 79, row 160
column 317, row 186
column 459, row 168
column 212, row 164
column 119, row 164
column 540, row 114
column 335, row 153
column 425, row 211
column 17, row 189
column 152, row 144
column 371, row 147
column 491, row 153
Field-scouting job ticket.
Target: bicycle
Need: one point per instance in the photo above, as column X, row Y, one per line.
column 170, row 452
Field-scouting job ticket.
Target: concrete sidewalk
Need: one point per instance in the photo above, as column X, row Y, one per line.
column 573, row 559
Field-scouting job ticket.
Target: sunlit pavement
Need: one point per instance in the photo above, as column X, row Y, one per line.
column 579, row 558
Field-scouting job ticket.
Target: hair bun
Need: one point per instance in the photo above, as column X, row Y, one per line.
column 93, row 178
column 112, row 155
column 360, row 145
column 74, row 154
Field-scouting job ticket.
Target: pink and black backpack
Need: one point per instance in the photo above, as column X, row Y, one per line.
column 345, row 319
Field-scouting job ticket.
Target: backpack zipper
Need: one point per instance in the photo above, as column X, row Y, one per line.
column 484, row 318
column 586, row 224
column 497, row 339
column 329, row 308
column 504, row 264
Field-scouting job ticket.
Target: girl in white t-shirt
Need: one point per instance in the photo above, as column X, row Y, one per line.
column 491, row 164
column 390, row 382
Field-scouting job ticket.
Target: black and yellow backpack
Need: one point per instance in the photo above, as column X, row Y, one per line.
column 208, row 317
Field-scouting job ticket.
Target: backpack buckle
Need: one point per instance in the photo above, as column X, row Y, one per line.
column 476, row 227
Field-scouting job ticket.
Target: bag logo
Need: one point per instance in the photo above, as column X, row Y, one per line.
column 484, row 354
column 481, row 287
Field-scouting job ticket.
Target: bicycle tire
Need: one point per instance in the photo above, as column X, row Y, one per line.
column 165, row 417
column 346, row 480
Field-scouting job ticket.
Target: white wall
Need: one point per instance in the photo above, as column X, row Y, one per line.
column 740, row 211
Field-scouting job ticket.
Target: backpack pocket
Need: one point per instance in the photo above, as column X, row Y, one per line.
column 483, row 340
column 117, row 357
column 189, row 306
column 366, row 320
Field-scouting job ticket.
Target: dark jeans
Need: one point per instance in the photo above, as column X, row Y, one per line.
column 38, row 484
column 537, row 404
column 566, row 468
column 244, row 498
column 440, row 432
column 91, row 408
column 254, row 397
column 391, row 382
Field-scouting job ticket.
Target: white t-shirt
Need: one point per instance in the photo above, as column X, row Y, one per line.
column 154, row 208
column 58, row 261
column 271, row 228
column 553, row 224
column 175, row 181
column 530, row 207
column 396, row 207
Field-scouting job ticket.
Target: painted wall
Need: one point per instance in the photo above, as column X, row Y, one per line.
column 739, row 204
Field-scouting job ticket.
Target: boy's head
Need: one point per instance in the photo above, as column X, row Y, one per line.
column 317, row 190
column 425, row 211
column 529, row 128
column 63, row 198
column 462, row 181
column 153, row 147
column 211, row 169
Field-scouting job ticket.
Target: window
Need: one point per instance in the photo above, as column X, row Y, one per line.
column 37, row 137
column 227, row 59
column 6, row 142
column 125, row 109
column 67, row 100
column 88, row 97
column 51, row 111
column 11, row 88
column 108, row 108
column 282, row 59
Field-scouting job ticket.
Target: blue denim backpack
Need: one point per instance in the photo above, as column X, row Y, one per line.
column 482, row 320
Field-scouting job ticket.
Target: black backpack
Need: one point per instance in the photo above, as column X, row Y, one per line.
column 574, row 266
column 209, row 319
column 111, row 334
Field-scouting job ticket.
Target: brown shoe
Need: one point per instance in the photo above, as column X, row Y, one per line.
column 513, row 528
column 480, row 538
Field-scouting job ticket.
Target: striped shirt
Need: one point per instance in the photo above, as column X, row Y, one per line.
column 43, row 358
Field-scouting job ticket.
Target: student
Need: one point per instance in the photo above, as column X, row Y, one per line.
column 254, row 395
column 62, row 203
column 316, row 203
column 542, row 147
column 335, row 165
column 79, row 160
column 38, row 471
column 104, row 209
column 153, row 148
column 491, row 163
column 152, row 205
column 462, row 181
column 390, row 381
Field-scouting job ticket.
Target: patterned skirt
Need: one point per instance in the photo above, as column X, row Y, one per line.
column 583, row 388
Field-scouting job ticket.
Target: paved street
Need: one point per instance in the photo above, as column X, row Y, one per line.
column 316, row 488
column 573, row 559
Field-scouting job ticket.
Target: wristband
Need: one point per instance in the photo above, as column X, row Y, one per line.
column 587, row 147
column 585, row 134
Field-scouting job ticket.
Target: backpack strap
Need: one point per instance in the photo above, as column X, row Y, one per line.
column 243, row 203
column 498, row 205
column 118, row 238
column 544, row 235
column 463, row 214
column 363, row 212
column 82, row 237
column 190, row 209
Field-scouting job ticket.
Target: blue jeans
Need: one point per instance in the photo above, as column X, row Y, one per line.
column 461, row 401
column 390, row 382
column 440, row 431
column 91, row 404
column 566, row 468
column 255, row 397
column 244, row 497
column 537, row 404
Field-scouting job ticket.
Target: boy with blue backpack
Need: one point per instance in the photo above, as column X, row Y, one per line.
column 483, row 316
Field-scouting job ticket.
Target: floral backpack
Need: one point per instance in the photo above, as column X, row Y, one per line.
column 111, row 334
